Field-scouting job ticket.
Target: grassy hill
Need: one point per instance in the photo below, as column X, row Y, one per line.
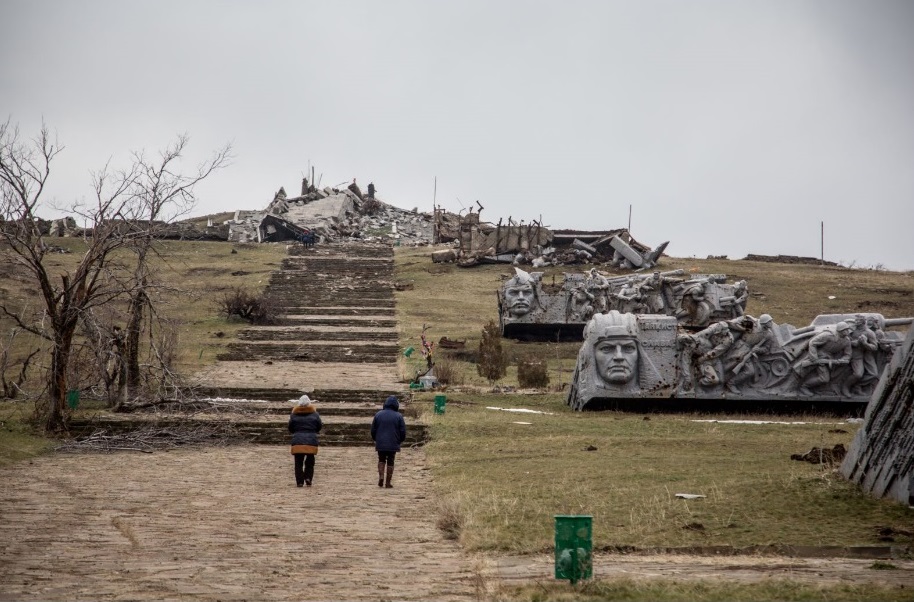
column 503, row 475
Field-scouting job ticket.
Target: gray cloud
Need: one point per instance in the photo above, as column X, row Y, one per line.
column 729, row 127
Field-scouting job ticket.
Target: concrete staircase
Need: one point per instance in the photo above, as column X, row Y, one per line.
column 337, row 308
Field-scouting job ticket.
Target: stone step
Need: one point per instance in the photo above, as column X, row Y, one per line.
column 286, row 395
column 332, row 300
column 359, row 251
column 342, row 431
column 219, row 407
column 303, row 310
column 340, row 321
column 380, row 277
column 317, row 335
column 302, row 352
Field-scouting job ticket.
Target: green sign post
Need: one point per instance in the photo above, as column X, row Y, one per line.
column 573, row 547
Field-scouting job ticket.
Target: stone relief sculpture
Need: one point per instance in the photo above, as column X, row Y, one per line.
column 519, row 295
column 624, row 354
column 839, row 357
column 528, row 306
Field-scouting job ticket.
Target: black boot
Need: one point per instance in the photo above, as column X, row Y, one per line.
column 390, row 474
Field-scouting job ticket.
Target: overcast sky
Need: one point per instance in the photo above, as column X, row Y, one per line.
column 730, row 127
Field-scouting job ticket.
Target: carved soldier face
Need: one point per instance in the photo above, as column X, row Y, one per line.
column 616, row 359
column 519, row 298
column 843, row 329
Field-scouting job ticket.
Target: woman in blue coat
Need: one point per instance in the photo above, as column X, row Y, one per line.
column 388, row 430
column 304, row 424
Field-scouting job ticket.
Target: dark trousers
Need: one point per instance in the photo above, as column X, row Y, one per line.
column 306, row 472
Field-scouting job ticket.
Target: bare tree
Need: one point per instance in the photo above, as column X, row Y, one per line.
column 162, row 194
column 24, row 170
column 125, row 213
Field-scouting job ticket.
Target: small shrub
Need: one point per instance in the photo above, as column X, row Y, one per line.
column 240, row 303
column 448, row 372
column 880, row 565
column 532, row 372
column 450, row 518
column 491, row 362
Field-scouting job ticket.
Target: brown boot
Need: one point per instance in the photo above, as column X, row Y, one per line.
column 380, row 474
column 390, row 474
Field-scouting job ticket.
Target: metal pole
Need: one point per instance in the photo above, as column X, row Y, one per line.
column 629, row 219
column 822, row 242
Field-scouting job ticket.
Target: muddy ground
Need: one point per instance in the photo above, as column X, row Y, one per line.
column 228, row 523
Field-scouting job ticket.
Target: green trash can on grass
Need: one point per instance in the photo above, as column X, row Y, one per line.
column 440, row 401
column 73, row 398
column 573, row 547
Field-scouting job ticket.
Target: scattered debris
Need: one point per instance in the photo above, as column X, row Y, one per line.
column 690, row 496
column 532, row 243
column 818, row 455
column 446, row 343
column 148, row 439
column 590, row 448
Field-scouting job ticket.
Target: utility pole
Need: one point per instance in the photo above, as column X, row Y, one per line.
column 629, row 219
column 822, row 242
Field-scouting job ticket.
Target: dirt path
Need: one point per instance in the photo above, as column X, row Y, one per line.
column 228, row 524
column 223, row 524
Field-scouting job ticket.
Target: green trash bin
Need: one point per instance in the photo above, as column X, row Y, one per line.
column 73, row 398
column 573, row 547
column 440, row 401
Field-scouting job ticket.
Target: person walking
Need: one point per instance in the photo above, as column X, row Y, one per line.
column 388, row 430
column 304, row 424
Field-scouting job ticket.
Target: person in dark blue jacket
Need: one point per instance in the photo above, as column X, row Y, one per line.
column 304, row 424
column 388, row 430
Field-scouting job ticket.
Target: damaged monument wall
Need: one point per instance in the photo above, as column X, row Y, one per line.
column 881, row 457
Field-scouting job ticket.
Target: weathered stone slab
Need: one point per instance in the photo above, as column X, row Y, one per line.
column 881, row 457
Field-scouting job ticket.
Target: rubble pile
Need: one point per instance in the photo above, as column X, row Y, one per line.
column 331, row 214
column 533, row 244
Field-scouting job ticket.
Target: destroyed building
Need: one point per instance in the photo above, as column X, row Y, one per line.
column 532, row 243
column 329, row 214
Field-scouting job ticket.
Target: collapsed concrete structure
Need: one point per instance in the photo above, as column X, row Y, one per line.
column 881, row 457
column 837, row 358
column 329, row 214
column 531, row 309
column 531, row 243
